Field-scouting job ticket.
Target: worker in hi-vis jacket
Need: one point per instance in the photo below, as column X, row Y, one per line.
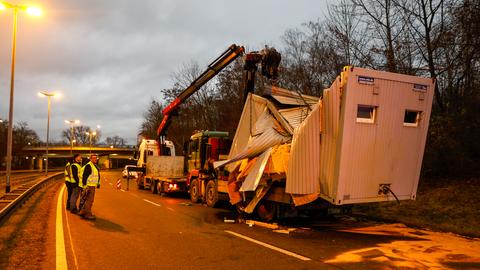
column 90, row 181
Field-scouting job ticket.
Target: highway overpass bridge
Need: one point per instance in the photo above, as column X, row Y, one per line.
column 35, row 157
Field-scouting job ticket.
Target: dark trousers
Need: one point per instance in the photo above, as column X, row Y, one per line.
column 74, row 198
column 70, row 187
column 88, row 196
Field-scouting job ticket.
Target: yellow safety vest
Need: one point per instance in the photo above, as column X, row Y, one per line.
column 79, row 168
column 67, row 174
column 94, row 178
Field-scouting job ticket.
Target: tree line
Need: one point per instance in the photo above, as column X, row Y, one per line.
column 430, row 38
column 24, row 136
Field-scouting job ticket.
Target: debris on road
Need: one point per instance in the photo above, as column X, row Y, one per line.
column 228, row 220
column 251, row 223
column 185, row 204
column 285, row 231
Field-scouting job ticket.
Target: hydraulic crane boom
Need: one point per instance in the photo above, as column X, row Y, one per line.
column 268, row 58
column 213, row 69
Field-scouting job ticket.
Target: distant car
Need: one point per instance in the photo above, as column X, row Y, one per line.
column 132, row 174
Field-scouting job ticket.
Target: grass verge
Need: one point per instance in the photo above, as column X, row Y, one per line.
column 448, row 205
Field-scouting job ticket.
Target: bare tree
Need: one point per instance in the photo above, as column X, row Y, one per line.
column 348, row 33
column 384, row 23
column 115, row 141
column 80, row 135
column 427, row 26
column 152, row 118
column 310, row 62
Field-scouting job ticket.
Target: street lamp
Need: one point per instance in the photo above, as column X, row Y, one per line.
column 71, row 122
column 48, row 95
column 34, row 12
column 90, row 134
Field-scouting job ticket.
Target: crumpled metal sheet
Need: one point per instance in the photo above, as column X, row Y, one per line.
column 253, row 178
column 268, row 133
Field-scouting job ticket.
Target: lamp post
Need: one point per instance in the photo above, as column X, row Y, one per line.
column 90, row 134
column 35, row 12
column 71, row 122
column 48, row 95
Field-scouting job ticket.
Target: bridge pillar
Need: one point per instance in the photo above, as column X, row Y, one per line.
column 31, row 165
column 39, row 160
column 104, row 162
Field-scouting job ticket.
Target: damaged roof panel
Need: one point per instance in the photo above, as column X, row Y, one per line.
column 288, row 97
column 295, row 116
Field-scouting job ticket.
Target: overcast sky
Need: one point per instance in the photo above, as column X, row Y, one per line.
column 108, row 58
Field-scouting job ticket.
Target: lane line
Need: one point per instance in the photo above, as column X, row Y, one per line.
column 152, row 202
column 171, row 209
column 286, row 252
column 122, row 190
column 71, row 239
column 60, row 254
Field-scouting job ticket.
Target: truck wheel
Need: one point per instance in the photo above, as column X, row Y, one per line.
column 266, row 210
column 211, row 194
column 194, row 191
column 159, row 187
column 139, row 183
column 153, row 186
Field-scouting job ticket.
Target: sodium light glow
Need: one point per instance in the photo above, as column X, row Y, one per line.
column 34, row 11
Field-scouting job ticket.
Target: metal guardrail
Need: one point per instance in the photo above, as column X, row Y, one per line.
column 3, row 173
column 21, row 197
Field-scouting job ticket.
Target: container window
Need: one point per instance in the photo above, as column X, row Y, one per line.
column 411, row 118
column 366, row 114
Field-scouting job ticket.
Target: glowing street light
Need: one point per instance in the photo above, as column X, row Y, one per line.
column 32, row 11
column 90, row 134
column 72, row 122
column 48, row 95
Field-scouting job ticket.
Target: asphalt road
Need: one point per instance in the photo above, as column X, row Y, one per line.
column 139, row 230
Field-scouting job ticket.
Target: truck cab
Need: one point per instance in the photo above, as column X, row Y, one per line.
column 147, row 152
column 151, row 148
column 203, row 149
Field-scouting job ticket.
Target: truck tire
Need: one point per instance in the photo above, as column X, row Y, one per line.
column 194, row 191
column 266, row 210
column 211, row 194
column 159, row 187
column 140, row 182
column 153, row 186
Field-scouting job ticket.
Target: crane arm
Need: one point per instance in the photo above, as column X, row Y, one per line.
column 212, row 70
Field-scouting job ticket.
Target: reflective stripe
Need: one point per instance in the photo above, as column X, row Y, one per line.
column 79, row 168
column 67, row 174
column 94, row 177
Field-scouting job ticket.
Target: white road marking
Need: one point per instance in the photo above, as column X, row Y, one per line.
column 171, row 209
column 152, row 202
column 122, row 190
column 110, row 184
column 134, row 195
column 60, row 255
column 286, row 252
column 71, row 240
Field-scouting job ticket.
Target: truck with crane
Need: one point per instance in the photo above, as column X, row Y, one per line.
column 163, row 171
column 362, row 141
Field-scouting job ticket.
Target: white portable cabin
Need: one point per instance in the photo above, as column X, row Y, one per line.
column 370, row 132
column 362, row 142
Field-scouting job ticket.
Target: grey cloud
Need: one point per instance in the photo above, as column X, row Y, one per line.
column 110, row 58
